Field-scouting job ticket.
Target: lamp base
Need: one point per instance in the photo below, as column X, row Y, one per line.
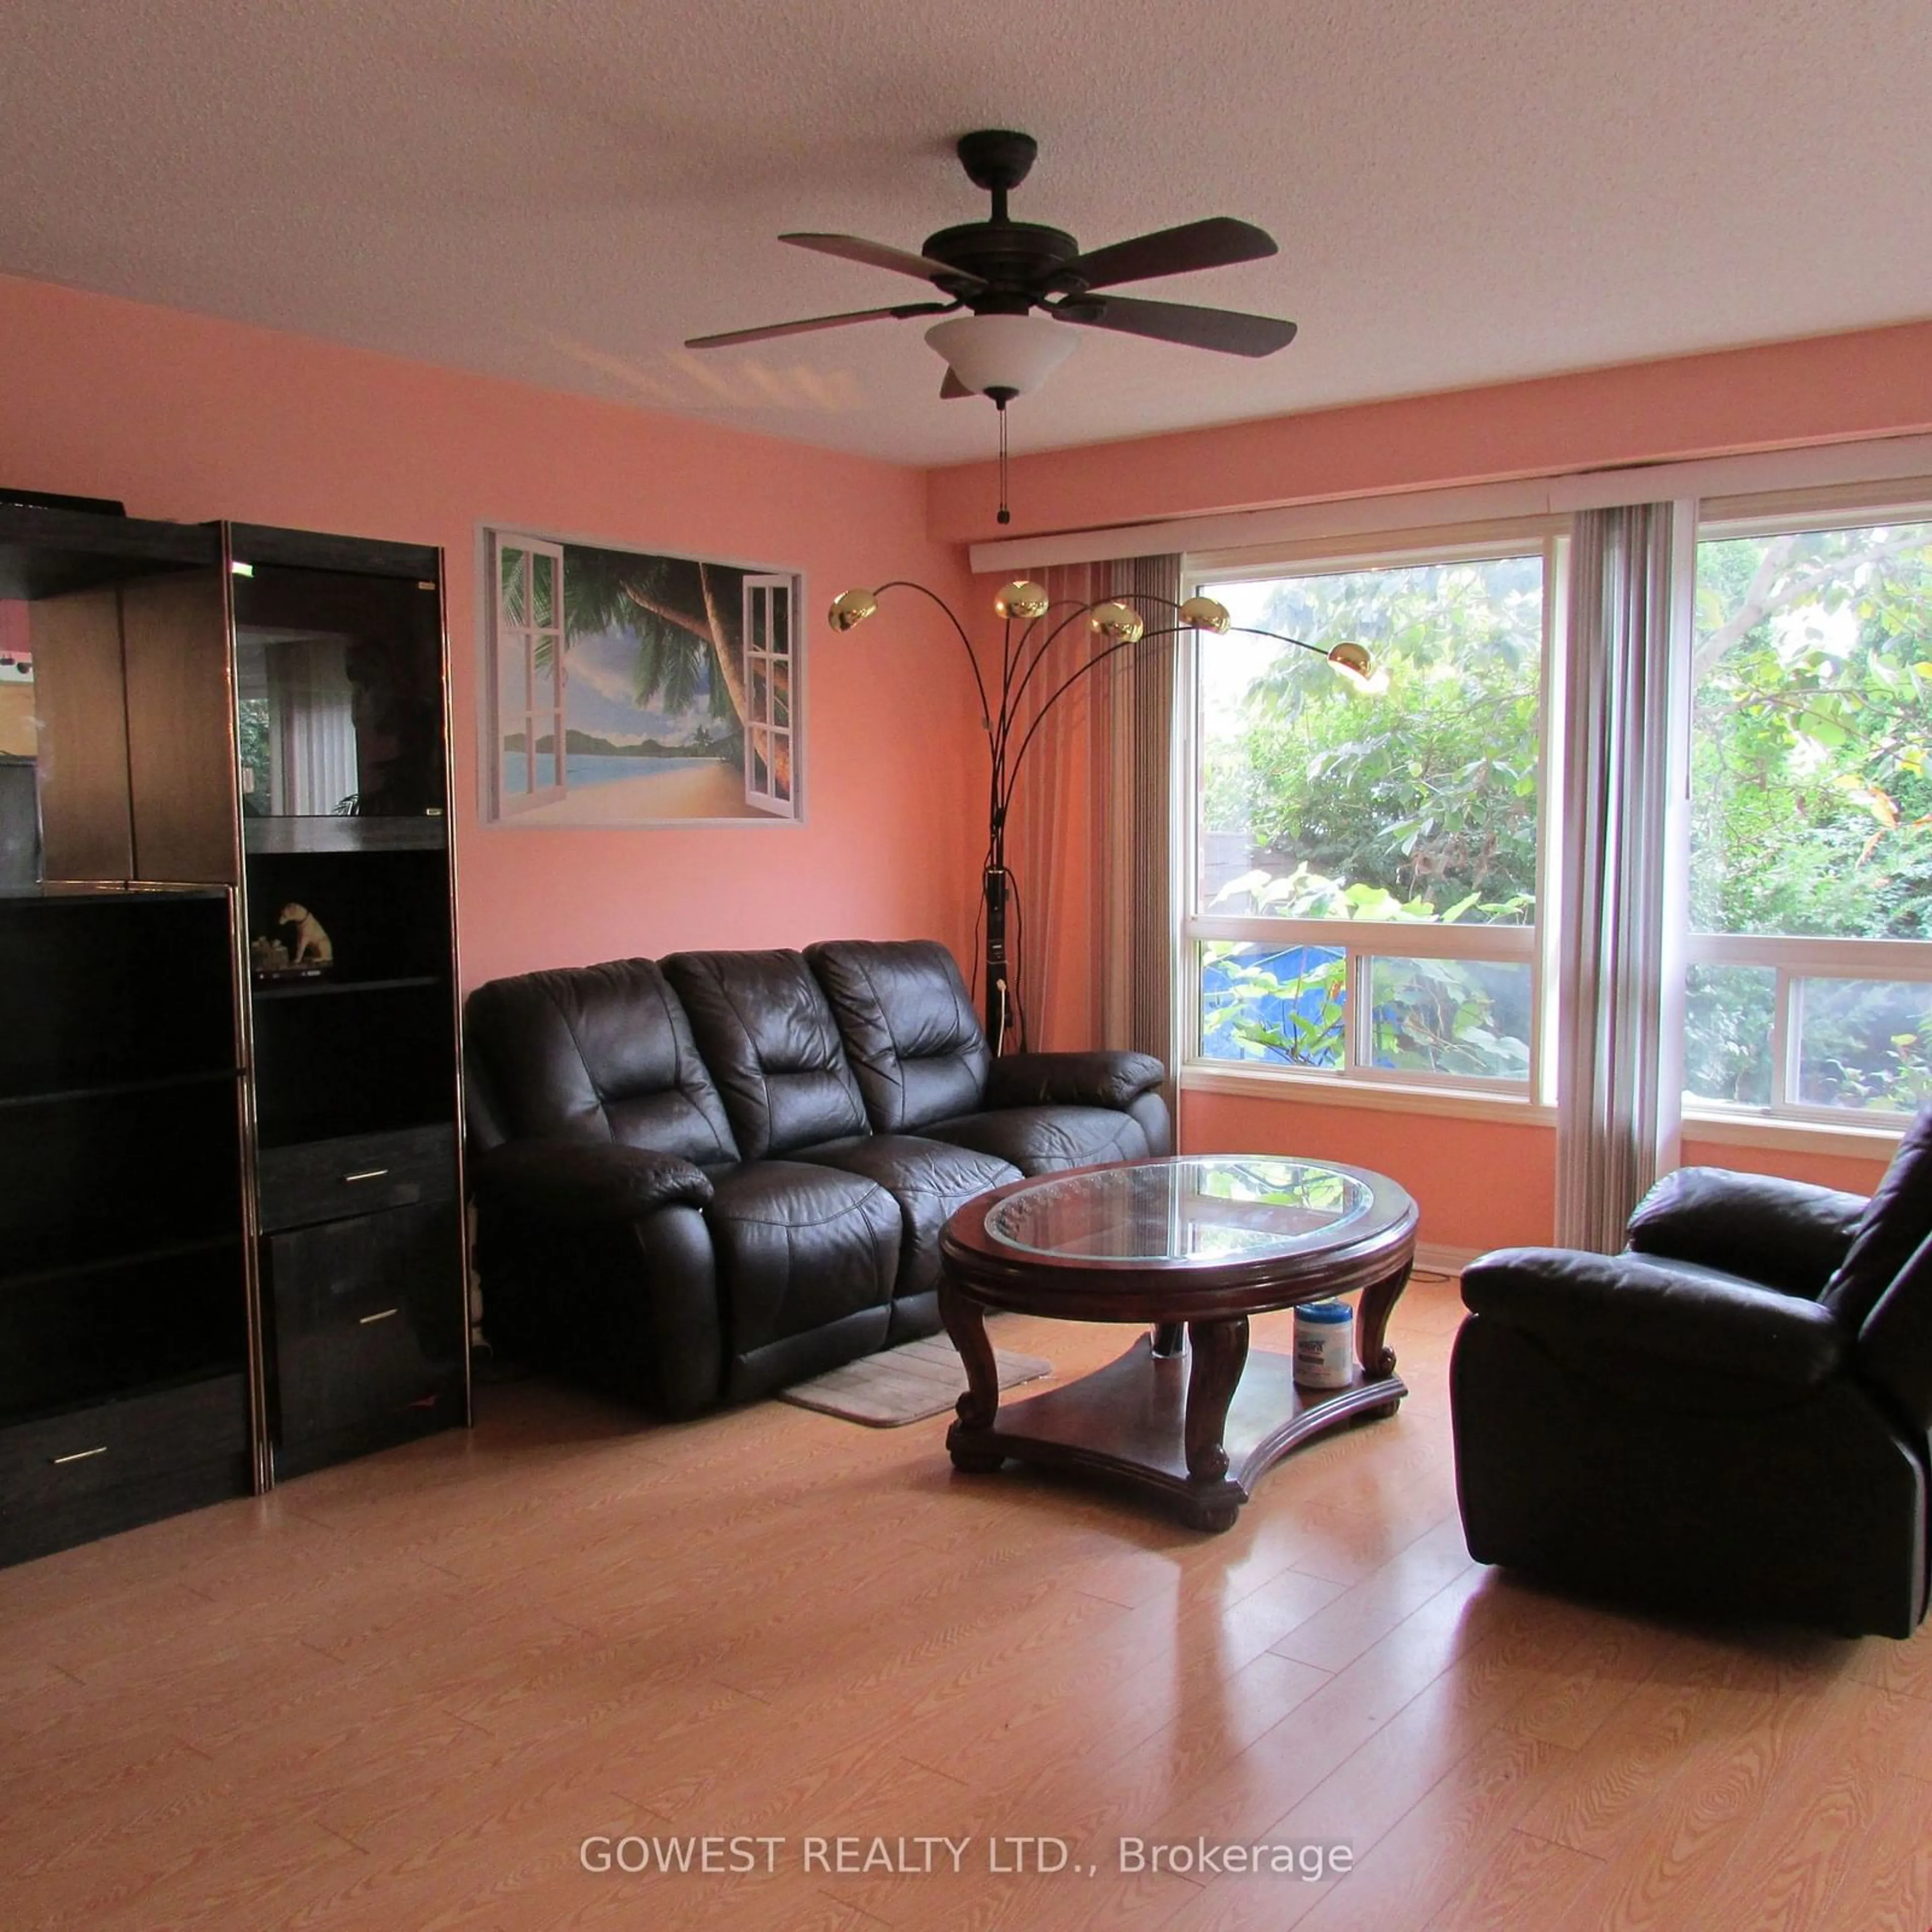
column 998, row 982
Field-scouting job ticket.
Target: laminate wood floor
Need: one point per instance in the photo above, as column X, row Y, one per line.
column 403, row 1693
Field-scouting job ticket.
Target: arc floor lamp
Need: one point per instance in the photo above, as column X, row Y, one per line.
column 1032, row 623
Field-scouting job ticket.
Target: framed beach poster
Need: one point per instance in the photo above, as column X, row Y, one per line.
column 628, row 688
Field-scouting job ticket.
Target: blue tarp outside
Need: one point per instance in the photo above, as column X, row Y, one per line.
column 1225, row 998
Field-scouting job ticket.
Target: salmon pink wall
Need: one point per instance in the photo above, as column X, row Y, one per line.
column 1477, row 1184
column 1857, row 1174
column 185, row 417
column 1779, row 395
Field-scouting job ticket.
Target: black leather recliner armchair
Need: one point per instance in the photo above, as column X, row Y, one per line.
column 1732, row 1415
column 699, row 1180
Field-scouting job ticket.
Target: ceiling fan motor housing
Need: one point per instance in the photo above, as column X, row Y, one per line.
column 1005, row 267
column 1016, row 262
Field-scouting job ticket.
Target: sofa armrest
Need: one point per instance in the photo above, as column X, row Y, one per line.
column 585, row 1180
column 1624, row 1301
column 1786, row 1234
column 1097, row 1079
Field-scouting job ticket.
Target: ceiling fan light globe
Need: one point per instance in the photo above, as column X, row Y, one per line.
column 1013, row 353
column 1021, row 601
column 1203, row 614
column 851, row 606
column 1117, row 623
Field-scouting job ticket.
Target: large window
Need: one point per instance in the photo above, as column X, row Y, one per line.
column 1366, row 866
column 1810, row 988
column 1364, row 860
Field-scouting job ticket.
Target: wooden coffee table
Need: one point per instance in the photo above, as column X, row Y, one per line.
column 1197, row 1244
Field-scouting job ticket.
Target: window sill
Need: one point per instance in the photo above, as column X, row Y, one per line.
column 1848, row 1142
column 1386, row 1097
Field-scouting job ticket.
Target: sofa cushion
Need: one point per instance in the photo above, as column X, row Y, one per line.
column 929, row 1179
column 762, row 1023
column 596, row 1053
column 909, row 1028
column 1043, row 1140
column 1896, row 1221
column 799, row 1248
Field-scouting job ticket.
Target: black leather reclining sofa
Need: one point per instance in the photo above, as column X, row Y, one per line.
column 701, row 1179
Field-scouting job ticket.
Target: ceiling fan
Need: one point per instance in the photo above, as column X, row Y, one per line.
column 1002, row 270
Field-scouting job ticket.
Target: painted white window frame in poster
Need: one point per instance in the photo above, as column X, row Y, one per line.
column 517, row 645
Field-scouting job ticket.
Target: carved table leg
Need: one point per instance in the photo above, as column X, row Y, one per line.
column 1372, row 1320
column 966, row 1323
column 1220, row 1351
column 1169, row 1339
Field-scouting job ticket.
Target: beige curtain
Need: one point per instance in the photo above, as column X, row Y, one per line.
column 1091, row 837
column 1624, row 858
column 1048, row 832
column 1133, row 766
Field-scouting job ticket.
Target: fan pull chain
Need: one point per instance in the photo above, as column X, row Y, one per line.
column 1006, row 516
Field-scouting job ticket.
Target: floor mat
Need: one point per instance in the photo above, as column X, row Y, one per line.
column 906, row 1383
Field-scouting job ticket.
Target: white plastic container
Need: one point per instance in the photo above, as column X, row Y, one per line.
column 1325, row 1344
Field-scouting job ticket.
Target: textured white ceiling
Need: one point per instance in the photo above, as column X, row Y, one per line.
column 562, row 193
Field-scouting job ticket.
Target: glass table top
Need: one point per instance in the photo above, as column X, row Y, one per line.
column 1193, row 1208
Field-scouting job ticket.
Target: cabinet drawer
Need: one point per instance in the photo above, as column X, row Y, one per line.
column 369, row 1326
column 330, row 1180
column 66, row 1478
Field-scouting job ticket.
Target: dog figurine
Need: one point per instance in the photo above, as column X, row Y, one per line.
column 312, row 946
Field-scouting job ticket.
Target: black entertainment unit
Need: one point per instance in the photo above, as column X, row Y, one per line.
column 231, row 1237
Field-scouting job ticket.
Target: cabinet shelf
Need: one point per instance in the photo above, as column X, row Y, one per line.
column 318, row 989
column 231, row 1369
column 118, row 1090
column 400, row 833
column 110, row 1264
column 52, row 552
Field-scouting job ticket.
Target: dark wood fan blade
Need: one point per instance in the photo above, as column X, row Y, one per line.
column 1216, row 243
column 877, row 255
column 771, row 330
column 952, row 387
column 1225, row 329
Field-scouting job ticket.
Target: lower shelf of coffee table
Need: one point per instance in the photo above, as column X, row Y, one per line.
column 1125, row 1422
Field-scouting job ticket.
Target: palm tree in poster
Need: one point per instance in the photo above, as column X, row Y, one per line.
column 684, row 619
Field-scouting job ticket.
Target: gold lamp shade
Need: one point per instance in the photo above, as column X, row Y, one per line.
column 1203, row 614
column 1117, row 623
column 1354, row 658
column 1021, row 601
column 850, row 607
